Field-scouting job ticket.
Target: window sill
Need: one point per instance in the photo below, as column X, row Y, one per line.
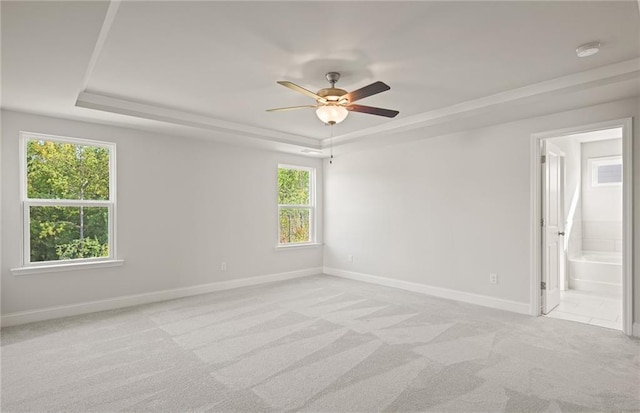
column 40, row 269
column 284, row 247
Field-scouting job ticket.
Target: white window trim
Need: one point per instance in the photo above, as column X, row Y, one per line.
column 311, row 207
column 595, row 163
column 297, row 245
column 67, row 265
column 28, row 267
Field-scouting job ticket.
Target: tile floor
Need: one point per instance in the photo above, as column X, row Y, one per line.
column 604, row 310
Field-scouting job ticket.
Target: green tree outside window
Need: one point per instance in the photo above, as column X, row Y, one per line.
column 294, row 204
column 70, row 173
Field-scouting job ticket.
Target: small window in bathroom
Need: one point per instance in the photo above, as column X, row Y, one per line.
column 606, row 171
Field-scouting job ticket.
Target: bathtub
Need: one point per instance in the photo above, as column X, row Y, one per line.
column 596, row 271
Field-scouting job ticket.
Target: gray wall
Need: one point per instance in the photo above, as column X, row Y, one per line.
column 443, row 211
column 447, row 211
column 184, row 206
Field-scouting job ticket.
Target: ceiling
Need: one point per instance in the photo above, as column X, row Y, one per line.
column 209, row 69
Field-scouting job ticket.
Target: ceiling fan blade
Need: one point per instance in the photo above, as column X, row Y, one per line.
column 373, row 111
column 302, row 90
column 291, row 108
column 366, row 91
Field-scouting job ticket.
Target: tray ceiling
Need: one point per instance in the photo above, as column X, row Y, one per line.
column 212, row 66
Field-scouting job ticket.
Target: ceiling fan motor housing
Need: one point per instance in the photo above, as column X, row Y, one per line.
column 332, row 94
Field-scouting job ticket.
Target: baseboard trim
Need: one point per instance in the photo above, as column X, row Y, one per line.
column 483, row 300
column 49, row 313
column 636, row 330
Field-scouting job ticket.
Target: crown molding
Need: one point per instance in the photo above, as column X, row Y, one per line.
column 110, row 104
column 571, row 83
column 577, row 81
column 97, row 101
column 109, row 17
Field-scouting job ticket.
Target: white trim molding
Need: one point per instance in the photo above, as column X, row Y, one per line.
column 87, row 98
column 110, row 204
column 130, row 107
column 49, row 313
column 285, row 247
column 581, row 80
column 310, row 206
column 66, row 265
column 465, row 297
column 109, row 17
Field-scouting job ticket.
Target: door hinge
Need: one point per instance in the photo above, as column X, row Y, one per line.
column 543, row 159
column 542, row 222
column 543, row 285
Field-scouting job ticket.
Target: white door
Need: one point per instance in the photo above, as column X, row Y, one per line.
column 552, row 225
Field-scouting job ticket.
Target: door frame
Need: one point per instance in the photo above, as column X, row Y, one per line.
column 627, row 212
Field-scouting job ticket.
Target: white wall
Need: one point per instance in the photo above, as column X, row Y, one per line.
column 449, row 210
column 184, row 205
column 601, row 205
column 443, row 211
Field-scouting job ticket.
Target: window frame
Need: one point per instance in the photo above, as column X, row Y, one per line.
column 311, row 206
column 595, row 163
column 27, row 203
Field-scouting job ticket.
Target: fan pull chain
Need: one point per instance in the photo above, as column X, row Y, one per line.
column 331, row 144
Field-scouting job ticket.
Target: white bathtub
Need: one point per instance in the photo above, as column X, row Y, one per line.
column 596, row 271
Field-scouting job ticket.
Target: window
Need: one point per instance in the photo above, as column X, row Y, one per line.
column 606, row 171
column 296, row 204
column 68, row 200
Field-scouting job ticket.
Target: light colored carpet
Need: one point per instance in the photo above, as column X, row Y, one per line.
column 318, row 344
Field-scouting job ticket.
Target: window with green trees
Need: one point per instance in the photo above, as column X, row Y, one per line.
column 296, row 204
column 68, row 199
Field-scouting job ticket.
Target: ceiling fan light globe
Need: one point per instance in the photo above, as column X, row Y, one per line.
column 332, row 114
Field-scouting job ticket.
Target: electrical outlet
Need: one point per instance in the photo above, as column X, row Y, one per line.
column 493, row 278
column 350, row 258
column 223, row 266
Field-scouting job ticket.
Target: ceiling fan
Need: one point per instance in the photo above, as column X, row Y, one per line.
column 333, row 104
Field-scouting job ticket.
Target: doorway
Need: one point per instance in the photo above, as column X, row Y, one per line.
column 581, row 188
